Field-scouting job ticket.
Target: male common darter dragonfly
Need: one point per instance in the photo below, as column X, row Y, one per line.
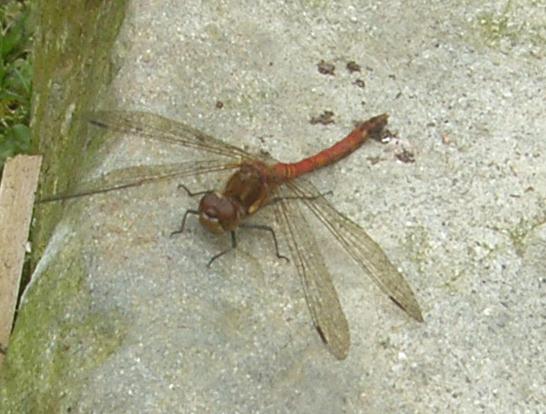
column 257, row 182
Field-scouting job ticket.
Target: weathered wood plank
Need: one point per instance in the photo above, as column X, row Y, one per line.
column 17, row 190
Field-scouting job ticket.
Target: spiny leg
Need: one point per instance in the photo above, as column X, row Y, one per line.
column 189, row 211
column 216, row 256
column 181, row 229
column 223, row 252
column 270, row 230
column 191, row 194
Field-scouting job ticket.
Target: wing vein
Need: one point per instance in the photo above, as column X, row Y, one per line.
column 361, row 248
column 320, row 294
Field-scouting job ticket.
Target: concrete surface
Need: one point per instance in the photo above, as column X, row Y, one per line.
column 464, row 84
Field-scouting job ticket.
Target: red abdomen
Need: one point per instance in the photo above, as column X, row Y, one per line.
column 341, row 149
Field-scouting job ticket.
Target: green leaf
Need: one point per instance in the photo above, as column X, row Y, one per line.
column 21, row 136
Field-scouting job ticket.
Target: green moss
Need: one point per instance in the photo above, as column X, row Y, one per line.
column 506, row 26
column 72, row 48
column 58, row 334
column 518, row 233
column 496, row 27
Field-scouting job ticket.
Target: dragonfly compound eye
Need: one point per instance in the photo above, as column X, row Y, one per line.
column 217, row 213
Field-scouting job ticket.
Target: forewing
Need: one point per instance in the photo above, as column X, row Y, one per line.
column 143, row 174
column 366, row 252
column 320, row 294
column 158, row 128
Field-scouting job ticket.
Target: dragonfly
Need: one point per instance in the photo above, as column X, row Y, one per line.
column 256, row 184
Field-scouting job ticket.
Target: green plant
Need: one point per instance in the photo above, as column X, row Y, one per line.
column 15, row 79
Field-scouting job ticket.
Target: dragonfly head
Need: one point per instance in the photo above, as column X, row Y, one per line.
column 218, row 213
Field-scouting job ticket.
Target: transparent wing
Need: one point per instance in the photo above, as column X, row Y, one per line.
column 143, row 174
column 151, row 126
column 156, row 127
column 366, row 252
column 320, row 294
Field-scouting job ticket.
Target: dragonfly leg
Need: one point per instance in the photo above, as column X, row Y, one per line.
column 270, row 230
column 223, row 252
column 181, row 229
column 190, row 193
column 298, row 197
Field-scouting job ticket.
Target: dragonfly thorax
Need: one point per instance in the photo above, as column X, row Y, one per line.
column 218, row 213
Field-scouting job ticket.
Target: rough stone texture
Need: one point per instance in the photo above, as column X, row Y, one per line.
column 156, row 331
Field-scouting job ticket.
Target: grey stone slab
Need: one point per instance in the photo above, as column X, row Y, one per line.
column 464, row 85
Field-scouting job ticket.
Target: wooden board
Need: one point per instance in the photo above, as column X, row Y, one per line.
column 17, row 189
